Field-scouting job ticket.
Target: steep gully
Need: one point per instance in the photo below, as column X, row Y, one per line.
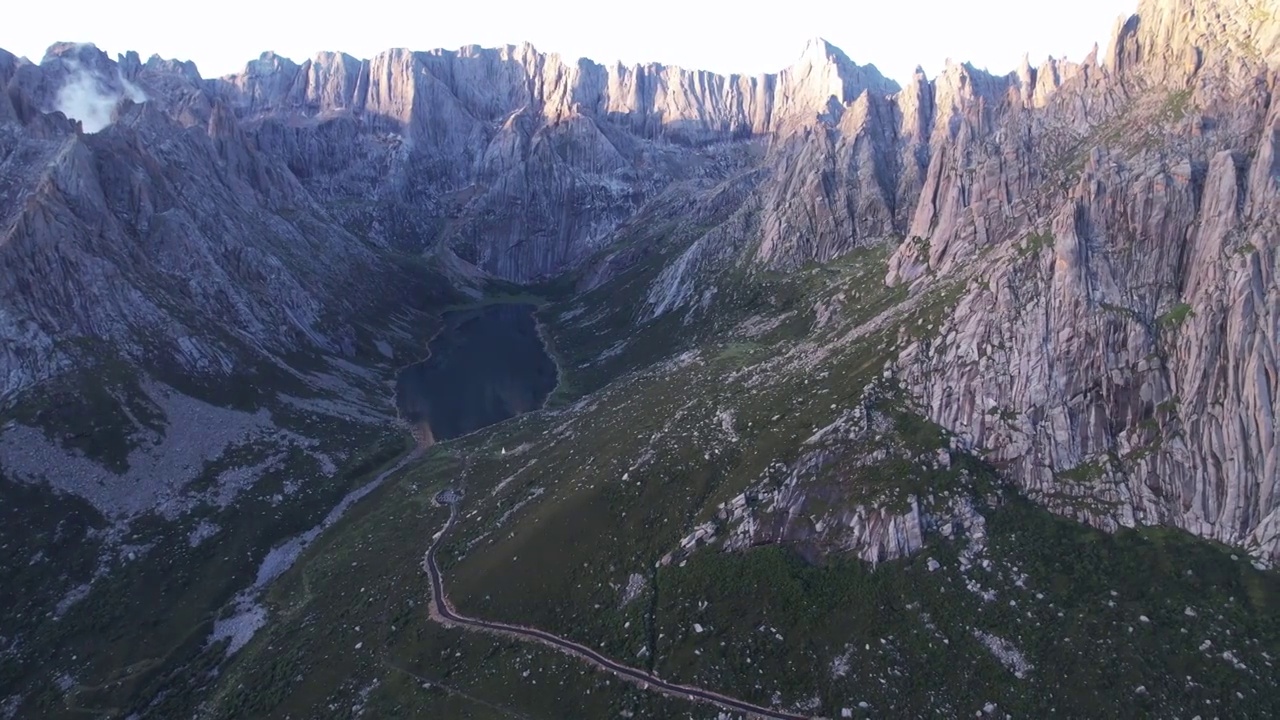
column 442, row 611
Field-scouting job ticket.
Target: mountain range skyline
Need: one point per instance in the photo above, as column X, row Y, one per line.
column 702, row 38
column 490, row 383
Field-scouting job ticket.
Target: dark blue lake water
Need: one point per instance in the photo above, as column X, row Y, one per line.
column 487, row 364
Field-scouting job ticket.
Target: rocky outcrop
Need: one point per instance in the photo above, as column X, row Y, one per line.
column 866, row 484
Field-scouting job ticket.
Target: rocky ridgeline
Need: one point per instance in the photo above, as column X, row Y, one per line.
column 1113, row 222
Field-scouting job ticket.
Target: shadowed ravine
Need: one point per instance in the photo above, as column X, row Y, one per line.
column 487, row 364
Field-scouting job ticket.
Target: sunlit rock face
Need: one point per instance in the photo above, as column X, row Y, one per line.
column 1114, row 345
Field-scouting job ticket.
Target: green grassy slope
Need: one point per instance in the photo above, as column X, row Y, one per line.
column 656, row 424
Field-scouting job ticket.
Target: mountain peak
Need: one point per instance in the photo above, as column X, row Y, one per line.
column 819, row 53
column 819, row 48
column 75, row 51
column 268, row 63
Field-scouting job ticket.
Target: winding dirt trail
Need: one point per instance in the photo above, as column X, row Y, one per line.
column 442, row 611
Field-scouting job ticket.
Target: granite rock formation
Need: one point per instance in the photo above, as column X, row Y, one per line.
column 1114, row 346
column 1110, row 224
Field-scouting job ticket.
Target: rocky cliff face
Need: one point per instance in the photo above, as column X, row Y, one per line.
column 1112, row 222
column 161, row 240
column 523, row 161
column 168, row 235
column 1114, row 348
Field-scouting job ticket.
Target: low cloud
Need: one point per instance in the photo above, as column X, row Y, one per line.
column 86, row 97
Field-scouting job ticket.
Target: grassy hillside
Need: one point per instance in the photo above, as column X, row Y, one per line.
column 573, row 518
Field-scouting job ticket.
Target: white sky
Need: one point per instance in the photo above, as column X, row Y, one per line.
column 743, row 37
